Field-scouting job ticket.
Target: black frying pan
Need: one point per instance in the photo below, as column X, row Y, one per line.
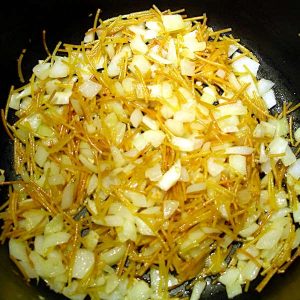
column 270, row 29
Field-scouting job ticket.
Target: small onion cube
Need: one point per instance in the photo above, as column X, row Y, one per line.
column 141, row 63
column 187, row 67
column 112, row 256
column 242, row 150
column 264, row 85
column 170, row 177
column 154, row 137
column 83, row 263
column 294, row 169
column 244, row 63
column 238, row 163
column 136, row 118
column 278, row 146
column 213, row 167
column 289, row 157
column 197, row 290
column 89, row 88
column 184, row 144
column 170, row 207
column 41, row 155
column 269, row 98
column 138, row 45
column 59, row 69
column 297, row 135
column 41, row 70
column 55, row 239
column 269, row 239
column 154, row 173
column 172, row 22
column 149, row 122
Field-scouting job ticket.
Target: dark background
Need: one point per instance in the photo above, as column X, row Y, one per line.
column 270, row 29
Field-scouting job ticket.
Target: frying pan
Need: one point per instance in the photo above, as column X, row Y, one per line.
column 270, row 29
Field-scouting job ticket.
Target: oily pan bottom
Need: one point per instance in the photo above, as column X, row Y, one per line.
column 269, row 30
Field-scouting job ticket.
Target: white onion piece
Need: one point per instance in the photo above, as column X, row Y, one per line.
column 54, row 239
column 55, row 225
column 196, row 187
column 136, row 118
column 89, row 88
column 187, row 67
column 238, row 163
column 229, row 276
column 244, row 63
column 269, row 239
column 139, row 290
column 68, row 195
column 154, row 137
column 83, row 263
column 138, row 199
column 190, row 41
column 138, row 45
column 233, row 289
column 294, row 169
column 154, row 173
column 183, row 144
column 248, row 231
column 229, row 110
column 113, row 255
column 289, row 157
column 59, row 69
column 142, row 227
column 170, row 207
column 213, row 167
column 141, row 63
column 172, row 54
column 269, row 98
column 170, row 177
column 41, row 156
column 278, row 146
column 41, row 70
column 17, row 249
column 90, row 241
column 264, row 85
column 176, row 127
column 242, row 150
column 197, row 290
column 297, row 135
column 149, row 122
column 251, row 89
column 232, row 49
column 172, row 22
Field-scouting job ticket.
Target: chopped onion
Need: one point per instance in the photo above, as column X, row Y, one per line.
column 197, row 290
column 170, row 207
column 294, row 169
column 264, row 85
column 113, row 255
column 244, row 63
column 269, row 98
column 172, row 22
column 59, row 69
column 90, row 89
column 170, row 177
column 83, row 263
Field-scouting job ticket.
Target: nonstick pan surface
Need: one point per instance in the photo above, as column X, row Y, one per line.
column 270, row 29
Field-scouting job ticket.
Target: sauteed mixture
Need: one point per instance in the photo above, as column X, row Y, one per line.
column 147, row 157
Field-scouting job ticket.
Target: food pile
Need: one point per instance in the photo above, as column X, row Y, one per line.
column 147, row 157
